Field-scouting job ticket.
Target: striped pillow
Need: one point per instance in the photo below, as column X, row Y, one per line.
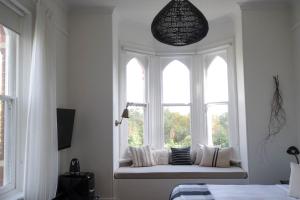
column 216, row 157
column 181, row 156
column 142, row 156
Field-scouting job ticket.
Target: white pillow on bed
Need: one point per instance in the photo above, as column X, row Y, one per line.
column 295, row 181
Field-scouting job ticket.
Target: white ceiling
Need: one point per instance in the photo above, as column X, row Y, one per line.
column 143, row 11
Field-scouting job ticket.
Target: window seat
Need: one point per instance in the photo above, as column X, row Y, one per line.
column 179, row 172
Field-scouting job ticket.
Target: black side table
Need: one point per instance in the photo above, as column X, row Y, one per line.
column 76, row 186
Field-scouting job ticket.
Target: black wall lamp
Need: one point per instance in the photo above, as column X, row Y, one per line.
column 125, row 114
column 293, row 151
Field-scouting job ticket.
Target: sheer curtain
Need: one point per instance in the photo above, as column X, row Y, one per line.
column 41, row 144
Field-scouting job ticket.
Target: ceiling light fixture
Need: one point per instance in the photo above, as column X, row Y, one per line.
column 179, row 23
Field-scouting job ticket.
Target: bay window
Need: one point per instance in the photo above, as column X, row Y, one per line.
column 183, row 100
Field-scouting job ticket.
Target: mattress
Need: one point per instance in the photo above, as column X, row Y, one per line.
column 232, row 192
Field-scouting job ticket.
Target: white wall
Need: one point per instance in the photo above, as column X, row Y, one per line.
column 140, row 34
column 220, row 29
column 90, row 90
column 267, row 49
column 296, row 53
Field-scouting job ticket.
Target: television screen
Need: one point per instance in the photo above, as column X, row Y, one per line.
column 65, row 122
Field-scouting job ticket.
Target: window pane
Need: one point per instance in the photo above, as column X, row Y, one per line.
column 216, row 85
column 4, row 141
column 136, row 126
column 3, row 52
column 1, row 143
column 177, row 126
column 176, row 83
column 217, row 125
column 8, row 59
column 135, row 81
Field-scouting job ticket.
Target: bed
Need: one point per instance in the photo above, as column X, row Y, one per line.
column 230, row 192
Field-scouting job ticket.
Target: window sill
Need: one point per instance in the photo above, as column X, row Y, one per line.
column 12, row 195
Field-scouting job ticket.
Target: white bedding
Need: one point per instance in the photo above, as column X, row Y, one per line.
column 250, row 192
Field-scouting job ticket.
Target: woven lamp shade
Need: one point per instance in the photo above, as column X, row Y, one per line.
column 179, row 23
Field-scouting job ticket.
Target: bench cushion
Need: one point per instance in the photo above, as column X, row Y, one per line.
column 180, row 172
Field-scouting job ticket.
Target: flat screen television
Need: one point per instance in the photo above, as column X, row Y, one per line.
column 65, row 122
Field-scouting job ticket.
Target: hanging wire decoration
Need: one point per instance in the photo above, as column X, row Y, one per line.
column 278, row 115
column 179, row 23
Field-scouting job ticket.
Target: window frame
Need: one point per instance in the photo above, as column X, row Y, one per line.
column 195, row 62
column 11, row 100
column 126, row 57
column 232, row 95
column 164, row 62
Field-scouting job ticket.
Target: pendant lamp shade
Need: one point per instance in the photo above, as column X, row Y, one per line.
column 179, row 23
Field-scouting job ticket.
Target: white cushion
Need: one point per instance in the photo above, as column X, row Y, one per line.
column 142, row 156
column 294, row 190
column 179, row 172
column 199, row 154
column 216, row 157
column 161, row 156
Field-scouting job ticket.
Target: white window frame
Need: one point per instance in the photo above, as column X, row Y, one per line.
column 10, row 149
column 195, row 63
column 164, row 62
column 232, row 95
column 126, row 57
column 18, row 18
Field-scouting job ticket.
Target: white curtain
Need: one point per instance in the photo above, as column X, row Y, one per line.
column 41, row 170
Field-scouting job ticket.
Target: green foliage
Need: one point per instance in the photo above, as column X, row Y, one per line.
column 220, row 130
column 136, row 127
column 176, row 129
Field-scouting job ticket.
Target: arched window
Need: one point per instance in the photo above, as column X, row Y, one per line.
column 216, row 100
column 136, row 96
column 176, row 105
column 135, row 79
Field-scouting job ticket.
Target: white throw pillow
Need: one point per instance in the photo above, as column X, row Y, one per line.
column 294, row 190
column 216, row 157
column 142, row 156
column 199, row 154
column 161, row 156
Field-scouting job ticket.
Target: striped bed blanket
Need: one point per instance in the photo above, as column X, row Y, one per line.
column 191, row 192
